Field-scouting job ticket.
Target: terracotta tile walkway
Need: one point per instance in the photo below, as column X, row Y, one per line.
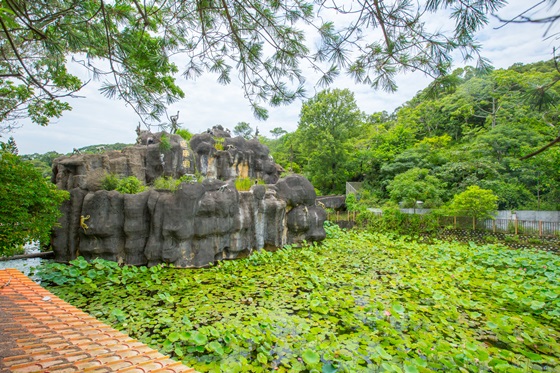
column 39, row 332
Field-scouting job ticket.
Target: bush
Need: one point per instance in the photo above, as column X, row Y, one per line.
column 196, row 178
column 110, row 182
column 245, row 183
column 29, row 204
column 219, row 143
column 166, row 183
column 130, row 185
column 491, row 239
column 164, row 143
column 394, row 221
column 185, row 134
column 352, row 202
column 11, row 251
column 535, row 241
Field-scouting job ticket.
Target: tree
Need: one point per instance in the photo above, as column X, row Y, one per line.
column 29, row 204
column 243, row 129
column 128, row 44
column 329, row 123
column 277, row 132
column 474, row 202
column 416, row 185
column 9, row 146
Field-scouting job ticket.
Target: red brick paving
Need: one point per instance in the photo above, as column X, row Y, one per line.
column 39, row 332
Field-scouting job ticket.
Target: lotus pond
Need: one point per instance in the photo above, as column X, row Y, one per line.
column 359, row 302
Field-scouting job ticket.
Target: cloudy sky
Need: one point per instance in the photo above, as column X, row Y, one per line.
column 97, row 120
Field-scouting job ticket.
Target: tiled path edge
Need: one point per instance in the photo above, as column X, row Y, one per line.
column 39, row 332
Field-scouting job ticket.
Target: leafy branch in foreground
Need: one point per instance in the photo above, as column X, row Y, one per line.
column 132, row 47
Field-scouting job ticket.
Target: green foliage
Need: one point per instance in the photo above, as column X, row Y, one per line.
column 166, row 183
column 219, row 143
column 416, row 185
column 360, row 302
column 392, row 220
column 262, row 43
column 42, row 162
column 277, row 132
column 184, row 133
column 245, row 183
column 110, row 182
column 475, row 202
column 130, row 185
column 29, row 204
column 352, row 203
column 328, row 126
column 9, row 147
column 171, row 184
column 164, row 143
column 12, row 250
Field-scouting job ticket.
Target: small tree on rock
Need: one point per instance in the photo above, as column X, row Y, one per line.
column 243, row 129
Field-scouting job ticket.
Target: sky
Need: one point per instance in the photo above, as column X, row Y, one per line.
column 98, row 120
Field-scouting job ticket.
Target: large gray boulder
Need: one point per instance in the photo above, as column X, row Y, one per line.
column 194, row 226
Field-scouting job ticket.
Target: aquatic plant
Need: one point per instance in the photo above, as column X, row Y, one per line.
column 360, row 302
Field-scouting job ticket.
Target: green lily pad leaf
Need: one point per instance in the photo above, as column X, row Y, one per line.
column 178, row 351
column 391, row 368
column 537, row 305
column 261, row 358
column 471, row 346
column 199, row 339
column 398, row 308
column 381, row 351
column 410, row 368
column 216, row 347
column 438, row 295
column 329, row 368
column 532, row 356
column 310, row 357
column 173, row 337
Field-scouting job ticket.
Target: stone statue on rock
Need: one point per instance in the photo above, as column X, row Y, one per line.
column 193, row 226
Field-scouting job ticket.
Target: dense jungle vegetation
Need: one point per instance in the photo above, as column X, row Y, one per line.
column 358, row 302
column 469, row 129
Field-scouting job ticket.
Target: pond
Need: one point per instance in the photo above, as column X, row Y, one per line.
column 359, row 302
column 24, row 265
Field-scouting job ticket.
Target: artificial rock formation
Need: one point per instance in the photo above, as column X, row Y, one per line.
column 198, row 224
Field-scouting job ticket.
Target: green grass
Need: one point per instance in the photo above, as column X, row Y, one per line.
column 359, row 302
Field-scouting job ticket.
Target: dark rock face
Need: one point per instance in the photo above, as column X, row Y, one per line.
column 194, row 226
column 337, row 203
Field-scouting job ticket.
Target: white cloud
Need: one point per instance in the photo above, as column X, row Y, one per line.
column 96, row 120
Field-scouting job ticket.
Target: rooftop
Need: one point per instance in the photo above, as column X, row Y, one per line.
column 39, row 332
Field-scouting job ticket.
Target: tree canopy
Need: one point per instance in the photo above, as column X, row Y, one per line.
column 133, row 47
column 328, row 124
column 243, row 129
column 29, row 203
column 475, row 202
column 474, row 132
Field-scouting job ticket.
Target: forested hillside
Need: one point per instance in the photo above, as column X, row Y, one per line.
column 469, row 129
